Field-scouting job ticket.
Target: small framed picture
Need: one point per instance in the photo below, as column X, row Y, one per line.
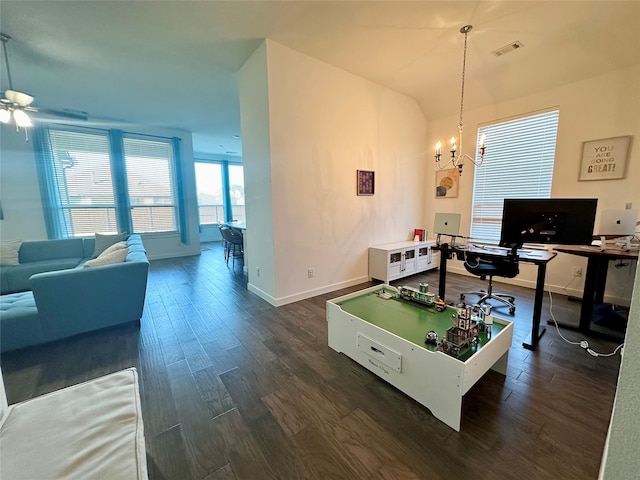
column 366, row 182
column 447, row 183
column 604, row 159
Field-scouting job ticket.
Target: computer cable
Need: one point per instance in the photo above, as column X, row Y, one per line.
column 582, row 343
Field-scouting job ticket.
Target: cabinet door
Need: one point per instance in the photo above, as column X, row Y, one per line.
column 395, row 265
column 424, row 258
column 410, row 260
column 434, row 259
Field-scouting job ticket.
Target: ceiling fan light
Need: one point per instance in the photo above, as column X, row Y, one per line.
column 5, row 115
column 22, row 119
column 18, row 98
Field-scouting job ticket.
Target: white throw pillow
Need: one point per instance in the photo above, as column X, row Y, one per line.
column 9, row 252
column 113, row 248
column 115, row 256
column 104, row 241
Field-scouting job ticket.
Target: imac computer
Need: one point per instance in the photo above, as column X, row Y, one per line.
column 560, row 221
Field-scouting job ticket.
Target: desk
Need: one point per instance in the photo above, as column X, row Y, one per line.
column 242, row 226
column 386, row 336
column 537, row 257
column 595, row 278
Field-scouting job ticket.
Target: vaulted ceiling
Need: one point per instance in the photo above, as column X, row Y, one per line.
column 174, row 63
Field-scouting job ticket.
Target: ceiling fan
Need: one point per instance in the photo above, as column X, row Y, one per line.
column 17, row 106
column 14, row 104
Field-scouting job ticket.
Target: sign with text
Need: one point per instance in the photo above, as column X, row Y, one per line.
column 605, row 159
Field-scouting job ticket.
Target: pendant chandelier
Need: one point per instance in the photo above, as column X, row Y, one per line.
column 457, row 156
column 14, row 105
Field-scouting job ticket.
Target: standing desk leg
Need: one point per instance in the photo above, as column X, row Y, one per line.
column 532, row 342
column 443, row 271
column 588, row 294
column 594, row 285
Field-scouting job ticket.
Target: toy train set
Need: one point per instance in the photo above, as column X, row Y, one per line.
column 468, row 322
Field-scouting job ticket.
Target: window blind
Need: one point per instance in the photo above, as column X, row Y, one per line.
column 82, row 173
column 518, row 163
column 107, row 181
column 149, row 172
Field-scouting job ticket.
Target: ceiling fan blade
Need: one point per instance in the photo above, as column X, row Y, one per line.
column 63, row 114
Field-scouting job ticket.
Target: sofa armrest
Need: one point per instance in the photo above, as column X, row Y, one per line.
column 85, row 299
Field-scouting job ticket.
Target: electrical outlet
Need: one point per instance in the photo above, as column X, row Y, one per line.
column 310, row 273
column 577, row 271
column 257, row 271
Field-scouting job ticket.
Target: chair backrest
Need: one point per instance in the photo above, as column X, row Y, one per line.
column 499, row 266
column 231, row 235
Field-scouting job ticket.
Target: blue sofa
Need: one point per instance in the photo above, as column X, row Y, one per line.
column 44, row 256
column 73, row 300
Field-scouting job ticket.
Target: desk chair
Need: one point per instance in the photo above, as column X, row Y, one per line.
column 489, row 266
column 233, row 244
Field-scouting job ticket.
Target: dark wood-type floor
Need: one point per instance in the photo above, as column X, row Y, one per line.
column 232, row 387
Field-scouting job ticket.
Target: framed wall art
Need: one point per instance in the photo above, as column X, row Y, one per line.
column 366, row 182
column 604, row 159
column 447, row 182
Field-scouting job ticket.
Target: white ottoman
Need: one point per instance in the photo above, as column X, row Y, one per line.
column 92, row 430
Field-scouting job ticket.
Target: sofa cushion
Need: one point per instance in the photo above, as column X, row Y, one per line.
column 9, row 252
column 20, row 324
column 17, row 277
column 90, row 430
column 37, row 250
column 109, row 257
column 104, row 241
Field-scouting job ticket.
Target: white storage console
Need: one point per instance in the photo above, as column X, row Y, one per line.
column 401, row 259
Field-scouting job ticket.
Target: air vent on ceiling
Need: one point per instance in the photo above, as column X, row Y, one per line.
column 508, row 48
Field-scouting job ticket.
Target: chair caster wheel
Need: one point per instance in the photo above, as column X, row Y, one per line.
column 512, row 311
column 461, row 296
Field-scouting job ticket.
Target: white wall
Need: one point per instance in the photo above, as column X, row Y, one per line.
column 621, row 459
column 256, row 152
column 20, row 194
column 604, row 106
column 21, row 200
column 324, row 124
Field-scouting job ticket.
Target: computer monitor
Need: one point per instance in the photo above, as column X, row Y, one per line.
column 561, row 221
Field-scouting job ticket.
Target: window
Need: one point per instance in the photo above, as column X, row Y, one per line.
column 106, row 181
column 209, row 188
column 81, row 178
column 152, row 198
column 518, row 164
column 220, row 187
column 236, row 192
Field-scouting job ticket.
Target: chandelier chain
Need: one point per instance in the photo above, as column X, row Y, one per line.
column 464, row 68
column 457, row 151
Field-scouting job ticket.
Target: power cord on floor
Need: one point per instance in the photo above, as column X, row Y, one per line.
column 583, row 343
